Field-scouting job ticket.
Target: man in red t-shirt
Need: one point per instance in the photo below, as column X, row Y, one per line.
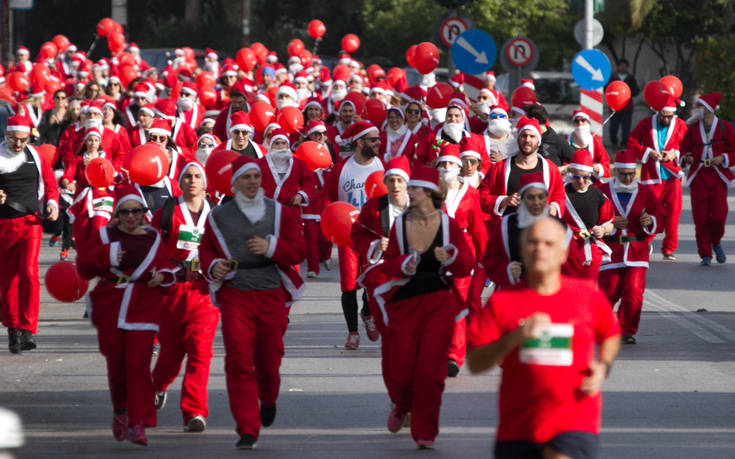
column 543, row 333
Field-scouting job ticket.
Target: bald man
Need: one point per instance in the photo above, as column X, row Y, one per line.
column 543, row 333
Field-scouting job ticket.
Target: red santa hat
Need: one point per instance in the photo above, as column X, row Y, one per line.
column 149, row 109
column 459, row 100
column 396, row 109
column 95, row 106
column 582, row 161
column 22, row 50
column 533, row 180
column 529, row 124
column 270, row 127
column 229, row 70
column 710, row 101
column 160, row 127
column 472, row 148
column 490, row 76
column 344, row 58
column 356, row 131
column 242, row 165
column 239, row 88
column 313, row 101
column 279, row 134
column 398, row 166
column 625, row 159
column 189, row 88
column 196, row 164
column 528, row 83
column 271, row 58
column 36, row 90
column 210, row 53
column 424, row 177
column 141, row 90
column 671, row 104
column 581, row 114
column 240, row 121
column 133, row 47
column 287, row 88
column 449, row 153
column 301, row 77
column 165, row 108
column 415, row 94
column 19, row 123
column 314, row 126
column 127, row 192
column 93, row 131
column 215, row 140
column 457, row 81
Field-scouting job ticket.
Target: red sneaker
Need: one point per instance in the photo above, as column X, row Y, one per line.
column 54, row 239
column 395, row 420
column 353, row 341
column 370, row 329
column 425, row 443
column 136, row 434
column 119, row 426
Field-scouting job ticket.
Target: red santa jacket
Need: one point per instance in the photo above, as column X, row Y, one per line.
column 313, row 210
column 644, row 139
column 704, row 146
column 110, row 144
column 298, row 180
column 634, row 253
column 222, row 123
column 287, row 248
column 330, row 192
column 372, row 224
column 183, row 135
column 600, row 158
column 91, row 210
column 465, row 209
column 502, row 249
column 123, row 139
column 421, row 131
column 185, row 248
column 427, row 151
column 138, row 135
column 193, row 118
column 392, row 275
column 493, row 188
column 140, row 307
column 406, row 146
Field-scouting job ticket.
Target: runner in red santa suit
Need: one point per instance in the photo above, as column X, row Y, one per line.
column 205, row 145
column 462, row 203
column 370, row 233
column 414, row 123
column 420, row 304
column 543, row 333
column 191, row 319
column 110, row 118
column 499, row 98
column 238, row 103
column 249, row 247
column 396, row 139
column 139, row 132
column 240, row 138
column 638, row 217
column 499, row 189
column 110, row 143
column 190, row 111
column 142, row 95
column 582, row 138
column 709, row 149
column 345, row 181
column 589, row 215
column 91, row 210
column 286, row 179
column 345, row 118
column 500, row 143
column 127, row 306
column 182, row 133
column 28, row 192
column 655, row 142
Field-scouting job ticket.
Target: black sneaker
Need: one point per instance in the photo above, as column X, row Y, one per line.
column 160, row 399
column 246, row 442
column 14, row 340
column 267, row 415
column 629, row 339
column 452, row 369
column 26, row 340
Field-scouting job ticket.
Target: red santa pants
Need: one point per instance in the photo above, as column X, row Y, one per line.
column 20, row 289
column 669, row 193
column 128, row 354
column 187, row 331
column 348, row 268
column 311, row 234
column 458, row 346
column 253, row 324
column 474, row 296
column 709, row 210
column 628, row 284
column 415, row 347
column 575, row 265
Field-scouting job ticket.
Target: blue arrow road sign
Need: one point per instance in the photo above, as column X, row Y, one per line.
column 591, row 69
column 474, row 51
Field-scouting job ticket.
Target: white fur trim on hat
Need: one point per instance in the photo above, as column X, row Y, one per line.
column 288, row 90
column 470, row 153
column 423, row 184
column 313, row 103
column 626, row 165
column 159, row 131
column 363, row 133
column 189, row 91
column 198, row 166
column 278, row 136
column 244, row 168
column 581, row 167
column 243, row 127
column 130, row 197
column 450, row 159
column 92, row 132
column 537, row 185
column 317, row 128
column 147, row 110
column 396, row 171
column 530, row 127
column 18, row 129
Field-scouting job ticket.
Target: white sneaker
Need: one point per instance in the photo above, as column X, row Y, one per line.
column 353, row 341
column 311, row 274
column 328, row 264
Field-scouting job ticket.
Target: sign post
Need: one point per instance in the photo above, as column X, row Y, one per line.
column 518, row 57
column 591, row 70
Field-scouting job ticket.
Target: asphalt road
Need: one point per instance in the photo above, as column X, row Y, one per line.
column 672, row 395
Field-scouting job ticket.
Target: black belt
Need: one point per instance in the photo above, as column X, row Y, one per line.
column 191, row 265
column 705, row 162
column 624, row 239
column 584, row 235
column 122, row 279
column 237, row 265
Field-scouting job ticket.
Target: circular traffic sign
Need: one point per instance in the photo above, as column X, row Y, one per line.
column 597, row 32
column 519, row 51
column 450, row 28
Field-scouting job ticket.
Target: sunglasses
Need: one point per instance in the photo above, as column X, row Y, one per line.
column 318, row 134
column 413, row 111
column 470, row 161
column 626, row 174
column 128, row 212
column 206, row 145
column 60, row 97
column 580, row 121
column 372, row 139
column 157, row 138
column 239, row 132
column 494, row 116
column 586, row 178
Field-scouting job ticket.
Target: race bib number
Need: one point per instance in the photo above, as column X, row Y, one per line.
column 553, row 347
column 189, row 237
column 103, row 204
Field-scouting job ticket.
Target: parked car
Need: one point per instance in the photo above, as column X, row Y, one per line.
column 559, row 94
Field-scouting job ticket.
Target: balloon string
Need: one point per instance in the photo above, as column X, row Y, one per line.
column 316, row 46
column 608, row 118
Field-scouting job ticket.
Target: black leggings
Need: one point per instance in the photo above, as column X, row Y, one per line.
column 349, row 308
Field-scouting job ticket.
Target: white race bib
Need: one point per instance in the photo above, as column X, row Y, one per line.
column 189, row 237
column 553, row 347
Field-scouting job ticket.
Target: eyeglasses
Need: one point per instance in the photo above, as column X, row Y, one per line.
column 318, row 134
column 666, row 117
column 17, row 139
column 206, row 145
column 240, row 132
column 470, row 161
column 128, row 212
column 60, row 97
column 372, row 139
column 494, row 116
column 580, row 121
column 413, row 111
column 586, row 178
column 157, row 138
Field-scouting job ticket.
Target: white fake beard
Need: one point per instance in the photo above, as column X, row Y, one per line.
column 525, row 219
column 253, row 208
column 484, row 108
column 285, row 103
column 697, row 115
column 584, row 135
column 10, row 161
column 185, row 104
column 472, row 180
column 281, row 159
column 438, row 115
column 338, row 94
column 303, row 94
column 92, row 123
column 295, row 68
column 454, row 131
column 395, row 134
column 499, row 127
column 448, row 175
column 622, row 188
column 202, row 154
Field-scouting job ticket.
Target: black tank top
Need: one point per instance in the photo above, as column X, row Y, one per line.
column 21, row 188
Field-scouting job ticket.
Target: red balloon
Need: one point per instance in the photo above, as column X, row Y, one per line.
column 7, row 94
column 207, row 96
column 100, row 173
column 2, row 70
column 356, row 98
column 673, row 84
column 205, row 80
column 260, row 51
column 439, row 95
column 246, row 59
column 261, row 115
column 18, row 81
column 188, row 53
column 316, row 29
column 61, row 41
column 656, row 94
column 617, row 95
column 395, row 74
column 315, row 155
column 337, row 220
column 125, row 59
column 374, row 111
column 375, row 71
column 115, row 42
column 341, row 72
column 40, row 73
column 523, row 96
column 116, row 28
column 290, row 118
column 49, row 50
column 374, row 185
column 350, row 43
column 306, row 58
column 410, row 54
column 219, row 170
column 64, row 283
column 147, row 164
column 127, row 75
column 52, row 84
column 49, row 153
column 295, row 46
column 105, row 26
column 426, row 57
